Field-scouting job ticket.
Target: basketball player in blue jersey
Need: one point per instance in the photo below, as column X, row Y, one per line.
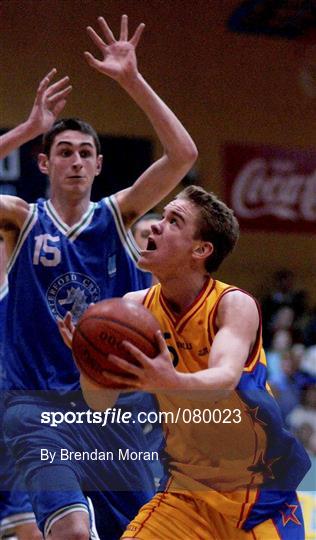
column 232, row 466
column 71, row 252
column 16, row 514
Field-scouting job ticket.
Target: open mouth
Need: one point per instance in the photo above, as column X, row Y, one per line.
column 151, row 244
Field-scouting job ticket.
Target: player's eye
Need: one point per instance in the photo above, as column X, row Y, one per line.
column 85, row 153
column 65, row 153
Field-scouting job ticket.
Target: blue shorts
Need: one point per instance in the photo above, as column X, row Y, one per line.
column 119, row 487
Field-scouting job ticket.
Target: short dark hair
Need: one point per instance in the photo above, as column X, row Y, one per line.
column 216, row 224
column 75, row 124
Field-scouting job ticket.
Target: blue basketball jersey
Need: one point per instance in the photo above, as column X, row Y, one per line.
column 56, row 268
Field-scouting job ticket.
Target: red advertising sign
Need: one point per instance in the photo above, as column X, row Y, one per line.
column 271, row 188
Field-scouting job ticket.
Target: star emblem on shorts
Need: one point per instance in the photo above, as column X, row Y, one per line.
column 253, row 413
column 289, row 514
column 264, row 467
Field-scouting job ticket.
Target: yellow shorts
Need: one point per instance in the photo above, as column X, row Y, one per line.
column 175, row 516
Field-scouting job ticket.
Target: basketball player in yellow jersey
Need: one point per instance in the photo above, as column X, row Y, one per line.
column 232, row 467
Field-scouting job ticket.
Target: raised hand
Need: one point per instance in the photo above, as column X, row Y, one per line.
column 119, row 57
column 49, row 102
column 66, row 329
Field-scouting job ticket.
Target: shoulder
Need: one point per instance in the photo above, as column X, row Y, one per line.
column 13, row 210
column 137, row 296
column 238, row 306
column 13, row 202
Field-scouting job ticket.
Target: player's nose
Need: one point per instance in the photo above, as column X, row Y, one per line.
column 77, row 161
column 156, row 228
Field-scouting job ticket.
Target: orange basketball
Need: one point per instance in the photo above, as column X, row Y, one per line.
column 101, row 330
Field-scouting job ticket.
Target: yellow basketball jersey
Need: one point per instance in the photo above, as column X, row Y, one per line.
column 209, row 445
column 232, row 464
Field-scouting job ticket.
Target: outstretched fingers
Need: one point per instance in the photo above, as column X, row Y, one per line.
column 109, row 36
column 96, row 38
column 137, row 35
column 58, row 96
column 107, row 32
column 53, row 94
column 58, row 85
column 46, row 81
column 124, row 28
column 93, row 62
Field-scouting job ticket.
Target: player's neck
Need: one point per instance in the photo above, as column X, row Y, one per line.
column 182, row 292
column 70, row 210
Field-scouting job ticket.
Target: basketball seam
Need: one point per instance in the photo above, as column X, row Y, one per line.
column 121, row 323
column 96, row 368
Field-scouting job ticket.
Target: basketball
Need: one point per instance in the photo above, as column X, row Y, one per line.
column 100, row 332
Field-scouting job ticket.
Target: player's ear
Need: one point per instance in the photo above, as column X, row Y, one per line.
column 99, row 164
column 203, row 250
column 42, row 162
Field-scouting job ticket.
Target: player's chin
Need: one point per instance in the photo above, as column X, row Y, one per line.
column 145, row 261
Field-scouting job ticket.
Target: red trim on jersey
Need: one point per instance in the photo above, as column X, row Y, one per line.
column 241, row 518
column 149, row 296
column 181, row 321
column 166, row 309
column 198, row 304
column 161, row 496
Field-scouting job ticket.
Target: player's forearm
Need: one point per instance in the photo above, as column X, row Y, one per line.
column 176, row 141
column 16, row 137
column 213, row 383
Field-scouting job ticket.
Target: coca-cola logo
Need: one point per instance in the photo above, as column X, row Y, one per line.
column 274, row 187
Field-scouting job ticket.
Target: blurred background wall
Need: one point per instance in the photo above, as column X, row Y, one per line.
column 226, row 87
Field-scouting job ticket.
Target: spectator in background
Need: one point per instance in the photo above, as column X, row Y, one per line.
column 288, row 388
column 281, row 341
column 142, row 229
column 302, row 419
column 284, row 295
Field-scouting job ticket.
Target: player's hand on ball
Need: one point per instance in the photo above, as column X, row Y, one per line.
column 151, row 374
column 66, row 329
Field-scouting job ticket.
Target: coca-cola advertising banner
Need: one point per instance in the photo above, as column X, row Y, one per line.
column 271, row 188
